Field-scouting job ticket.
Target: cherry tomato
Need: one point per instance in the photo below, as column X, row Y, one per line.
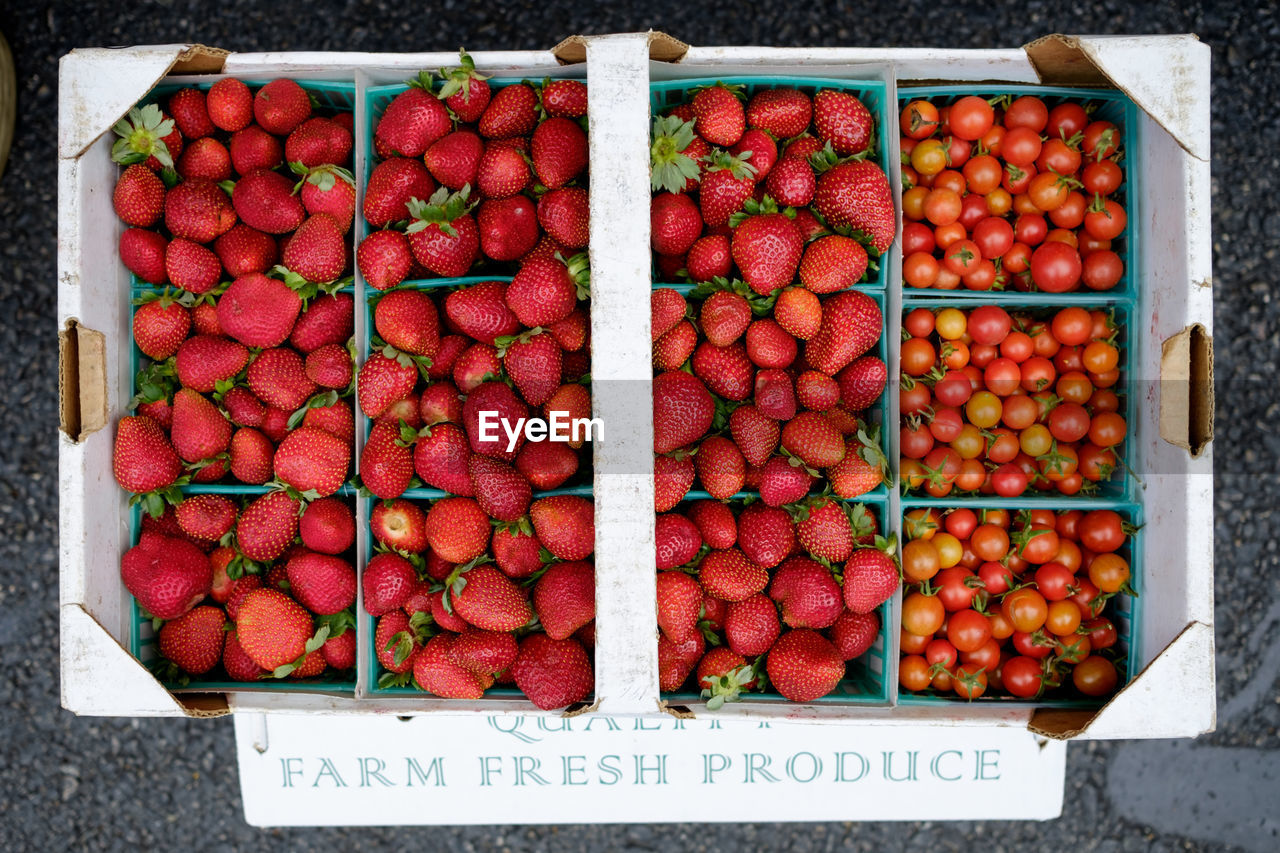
column 916, row 237
column 919, row 119
column 920, row 560
column 946, row 423
column 970, row 681
column 942, row 206
column 958, row 150
column 1065, row 236
column 961, row 522
column 1054, row 581
column 1041, row 547
column 1101, row 632
column 1066, row 120
column 1069, row 421
column 1109, row 572
column 1107, row 429
column 922, row 614
column 945, row 236
column 969, row 630
column 1096, row 463
column 982, row 174
column 1101, row 177
column 971, row 117
column 1016, row 180
column 918, row 356
column 1055, row 267
column 1047, row 191
column 941, row 652
column 1017, row 259
column 919, row 269
column 989, row 542
column 1026, row 609
column 922, row 523
column 1058, row 156
column 1063, row 618
column 916, row 399
column 1095, row 676
column 1101, row 270
column 989, row 324
column 973, row 209
column 962, row 256
column 953, row 389
column 1107, row 223
column 1070, row 213
column 1019, row 412
column 999, row 201
column 913, row 202
column 1021, row 146
column 981, row 277
column 913, row 673
column 919, row 322
column 1101, row 139
column 929, row 157
column 1073, row 648
column 1021, row 676
column 912, row 644
column 1001, row 628
column 1100, row 356
column 986, row 656
column 1027, row 111
column 1009, row 480
column 1033, row 646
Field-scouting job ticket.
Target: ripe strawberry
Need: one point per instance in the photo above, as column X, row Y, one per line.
column 279, row 107
column 825, row 532
column 458, row 530
column 147, row 136
column 768, row 344
column 503, row 171
column 187, row 106
column 565, row 525
column 715, row 522
column 312, row 460
column 488, row 599
column 565, row 598
column 204, row 320
column 251, row 454
column 766, row 246
column 413, row 120
column 340, row 651
column 807, row 593
column 676, row 661
column 435, row 673
column 237, row 663
column 722, row 675
column 559, row 151
column 252, row 148
column 244, row 250
column 322, row 583
column 508, row 227
column 275, row 423
column 803, row 665
column 832, row 263
column 726, row 371
column 674, row 348
column 851, row 325
column 843, row 121
column 330, row 367
column 383, row 381
column 674, row 223
column 267, row 526
column 766, row 534
column 862, row 382
column 813, row 439
column 791, row 182
column 672, row 478
column 553, row 673
column 720, row 116
column 396, row 642
column 387, row 582
column 392, row 184
column 194, row 640
column 871, row 577
column 709, row 257
column 326, row 320
column 407, row 320
column 386, row 465
column 533, row 363
column 724, row 317
column 853, row 634
column 191, row 266
column 547, row 247
column 279, row 377
column 502, row 491
column 817, row 391
column 682, row 410
column 241, row 587
column 677, row 540
column 666, row 309
column 494, row 396
column 545, row 291
column 317, row 142
column 443, row 236
column 264, row 200
column 721, row 467
column 327, row 526
column 730, row 576
column 863, row 468
column 199, row 430
column 138, row 198
column 516, row 550
column 571, row 332
column 205, row 159
column 481, row 311
column 856, row 195
column 273, row 629
column 512, row 111
column 384, row 259
column 751, row 625
column 167, row 575
column 774, row 395
column 160, row 325
column 564, row 98
column 440, row 402
column 679, row 602
column 783, row 483
column 206, row 517
column 399, row 524
column 478, row 364
column 336, row 419
column 465, row 91
column 330, row 189
column 142, row 252
column 229, row 104
column 758, row 150
column 454, row 160
column 203, row 361
column 258, row 311
column 484, row 652
column 784, row 113
column 440, row 459
column 565, row 216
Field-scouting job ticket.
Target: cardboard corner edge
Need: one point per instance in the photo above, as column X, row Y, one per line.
column 1186, row 389
column 100, row 678
column 662, row 48
column 82, row 380
column 1188, row 661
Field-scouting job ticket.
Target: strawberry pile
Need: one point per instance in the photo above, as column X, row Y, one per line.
column 752, row 596
column 476, row 179
column 265, row 591
column 1013, row 603
column 463, row 604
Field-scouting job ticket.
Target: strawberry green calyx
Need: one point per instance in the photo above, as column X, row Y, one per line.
column 459, row 79
column 312, row 645
column 338, row 623
column 457, row 581
column 871, row 451
column 323, row 400
column 671, row 167
column 442, row 208
column 142, row 134
column 738, row 90
column 735, row 164
column 153, row 503
column 504, row 342
column 579, row 267
column 862, row 521
column 827, row 158
column 766, row 205
column 405, row 359
column 309, row 290
column 423, row 80
column 157, row 381
column 323, row 177
column 761, row 306
column 728, row 687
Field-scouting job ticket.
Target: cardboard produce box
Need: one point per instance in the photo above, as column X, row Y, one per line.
column 1165, row 76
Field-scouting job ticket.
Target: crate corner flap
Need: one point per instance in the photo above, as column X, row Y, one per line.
column 1186, row 389
column 82, row 381
column 662, row 48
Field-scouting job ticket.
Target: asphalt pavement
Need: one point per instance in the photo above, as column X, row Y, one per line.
column 93, row 784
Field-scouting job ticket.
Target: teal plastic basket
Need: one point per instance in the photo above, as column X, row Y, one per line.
column 1111, row 105
column 1125, row 611
column 869, row 679
column 872, row 93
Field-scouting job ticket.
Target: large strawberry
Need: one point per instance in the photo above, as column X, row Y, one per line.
column 682, row 410
column 138, row 197
column 851, row 325
column 199, row 211
column 436, row 673
column 328, row 319
column 443, row 235
column 546, row 290
column 533, row 362
column 751, row 625
column 457, row 529
column 853, row 634
column 258, row 311
column 862, row 382
column 440, row 458
column 565, row 525
column 564, row 213
column 676, row 539
column 783, row 112
column 465, row 91
column 755, row 434
column 229, row 104
column 488, row 599
column 191, row 266
column 726, row 183
column 264, row 200
column 252, row 148
column 144, row 460
column 813, row 439
column 727, row 371
column 856, row 195
column 766, row 246
column 312, row 460
column 204, row 360
column 384, row 259
column 244, row 250
column 267, row 526
column 843, row 121
column 503, row 171
column 871, row 576
column 721, row 467
column 824, row 529
column 863, row 467
column 832, row 263
column 279, row 107
column 407, row 320
column 730, row 576
column 791, row 182
column 715, row 522
column 317, row 251
column 167, row 575
column 251, row 452
column 199, row 430
column 679, row 600
column 481, row 311
column 143, row 254
column 673, row 349
column 454, row 160
column 559, row 151
column 392, row 184
column 205, row 159
column 666, row 309
column 677, row 660
column 327, row 526
column 279, row 377
column 803, row 666
column 807, row 593
column 324, row 584
column 194, row 640
column 564, row 98
column 484, row 652
column 502, row 491
column 508, row 227
column 724, row 317
column 512, row 111
column 672, row 478
column 553, row 673
column 503, row 412
column 674, row 223
column 274, row 630
column 206, row 518
column 387, row 582
column 413, row 120
column 399, row 524
column 722, row 675
column 383, row 381
column 720, row 115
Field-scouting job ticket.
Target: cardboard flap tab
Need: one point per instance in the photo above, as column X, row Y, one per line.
column 1186, row 390
column 82, row 381
column 662, row 48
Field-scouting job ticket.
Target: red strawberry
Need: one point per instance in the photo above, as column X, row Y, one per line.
column 508, row 227
column 856, row 195
column 502, row 172
column 204, row 320
column 244, row 250
column 147, row 136
column 251, row 454
column 318, row 142
column 443, row 236
column 724, row 317
column 553, row 673
column 565, row 525
column 203, row 361
column 784, row 113
column 862, row 382
column 679, row 602
column 330, row 367
column 813, row 439
column 458, row 530
column 199, row 430
column 677, row 540
column 571, row 401
column 672, row 478
column 440, row 458
column 330, row 189
column 144, row 460
column 871, row 577
column 726, row 183
column 435, row 673
column 666, row 308
column 138, row 198
column 726, row 371
column 194, row 640
column 676, row 661
column 721, row 467
column 264, row 200
column 516, row 550
column 851, row 325
column 512, row 111
column 842, row 121
column 709, row 257
column 502, row 491
column 791, row 182
column 160, row 325
column 205, row 159
column 191, row 266
column 322, row 583
column 454, row 160
column 730, row 576
column 326, row 320
column 722, row 675
column 340, row 651
column 863, row 468
column 387, row 582
column 399, row 524
column 565, row 598
column 674, row 223
column 206, row 517
column 484, row 652
column 336, row 419
column 757, row 149
column 386, row 465
column 279, row 377
column 252, row 148
column 384, row 259
column 279, row 107
column 803, row 666
column 258, row 311
column 478, row 364
column 817, row 391
column 832, row 263
column 383, row 381
column 440, row 402
column 766, row 534
column 533, row 363
column 720, row 116
column 327, row 526
column 675, row 347
column 275, row 423
column 564, row 214
column 545, row 291
column 392, row 184
column 267, row 526
column 825, row 531
column 853, row 634
column 407, row 320
column 312, row 460
column 168, row 576
column 768, row 344
column 565, row 98
column 413, row 120
column 559, row 151
column 715, row 522
column 481, row 311
column 465, row 91
column 273, row 629
column 751, row 625
column 143, row 252
column 237, row 663
column 766, row 246
column 783, row 483
column 240, row 588
column 572, row 332
column 755, row 434
column 495, row 397
column 488, row 599
column 682, row 410
column 229, row 104
column 807, row 593
column 774, row 395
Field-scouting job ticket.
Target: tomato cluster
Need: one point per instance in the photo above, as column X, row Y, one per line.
column 1013, row 603
column 996, row 403
column 1009, row 194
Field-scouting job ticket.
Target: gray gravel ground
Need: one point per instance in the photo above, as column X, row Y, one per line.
column 96, row 784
